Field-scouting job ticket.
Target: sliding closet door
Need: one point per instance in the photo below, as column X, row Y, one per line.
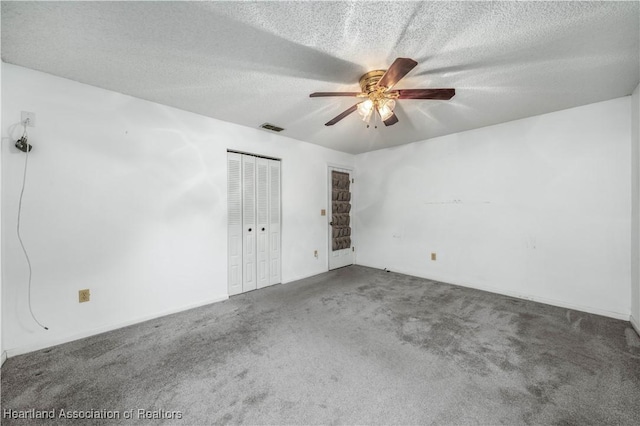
column 274, row 222
column 262, row 228
column 234, row 202
column 249, row 223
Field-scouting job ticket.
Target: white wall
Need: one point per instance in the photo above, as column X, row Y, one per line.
column 3, row 355
column 128, row 198
column 635, row 209
column 536, row 208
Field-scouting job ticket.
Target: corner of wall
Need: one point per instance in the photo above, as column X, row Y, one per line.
column 635, row 324
column 4, row 355
column 635, row 208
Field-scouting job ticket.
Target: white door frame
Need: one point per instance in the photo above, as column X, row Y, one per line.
column 352, row 258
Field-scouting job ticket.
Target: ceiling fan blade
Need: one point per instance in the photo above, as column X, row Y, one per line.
column 391, row 120
column 320, row 94
column 398, row 69
column 440, row 94
column 341, row 116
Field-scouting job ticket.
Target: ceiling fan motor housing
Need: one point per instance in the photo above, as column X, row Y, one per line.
column 369, row 80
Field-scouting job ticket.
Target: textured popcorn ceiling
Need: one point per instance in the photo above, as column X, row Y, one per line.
column 250, row 63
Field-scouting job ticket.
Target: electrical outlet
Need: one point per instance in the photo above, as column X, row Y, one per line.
column 31, row 116
column 84, row 295
column 323, row 212
column 433, row 256
column 315, row 253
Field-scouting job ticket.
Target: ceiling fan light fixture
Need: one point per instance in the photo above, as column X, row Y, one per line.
column 365, row 109
column 385, row 109
column 376, row 86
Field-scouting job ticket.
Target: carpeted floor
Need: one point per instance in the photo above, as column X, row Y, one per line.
column 351, row 346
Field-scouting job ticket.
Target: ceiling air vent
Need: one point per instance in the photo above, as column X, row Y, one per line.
column 271, row 127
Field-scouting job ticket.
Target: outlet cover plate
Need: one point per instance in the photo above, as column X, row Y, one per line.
column 31, row 116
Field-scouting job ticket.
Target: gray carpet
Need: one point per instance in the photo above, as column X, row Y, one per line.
column 355, row 345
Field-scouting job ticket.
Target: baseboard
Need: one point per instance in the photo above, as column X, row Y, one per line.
column 302, row 277
column 537, row 299
column 4, row 358
column 635, row 324
column 77, row 336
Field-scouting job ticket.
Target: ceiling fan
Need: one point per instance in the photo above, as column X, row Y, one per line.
column 376, row 88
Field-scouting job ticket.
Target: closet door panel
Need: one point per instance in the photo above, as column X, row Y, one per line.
column 234, row 231
column 274, row 223
column 262, row 225
column 254, row 215
column 249, row 222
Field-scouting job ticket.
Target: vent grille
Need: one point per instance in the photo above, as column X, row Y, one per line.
column 271, row 127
